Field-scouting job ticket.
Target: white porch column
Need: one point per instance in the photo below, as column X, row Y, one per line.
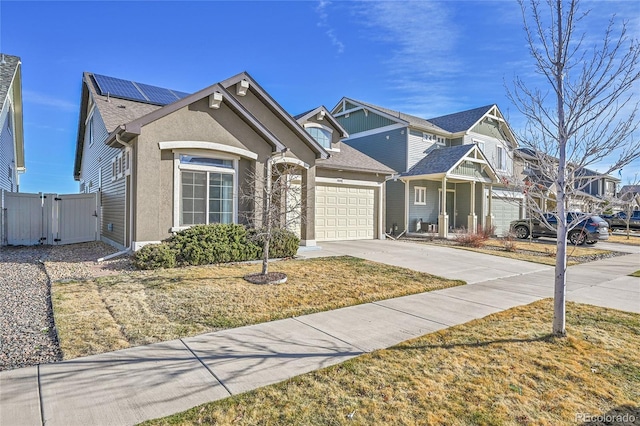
column 443, row 217
column 406, row 206
column 472, row 220
column 488, row 223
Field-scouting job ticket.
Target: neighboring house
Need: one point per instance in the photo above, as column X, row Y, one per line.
column 11, row 131
column 630, row 192
column 468, row 153
column 164, row 160
column 590, row 189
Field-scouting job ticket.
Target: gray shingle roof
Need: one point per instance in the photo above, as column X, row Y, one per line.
column 460, row 121
column 351, row 159
column 7, row 70
column 439, row 160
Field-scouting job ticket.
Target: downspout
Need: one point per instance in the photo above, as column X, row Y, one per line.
column 130, row 248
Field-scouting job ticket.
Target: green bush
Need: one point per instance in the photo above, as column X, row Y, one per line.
column 215, row 243
column 155, row 256
column 284, row 243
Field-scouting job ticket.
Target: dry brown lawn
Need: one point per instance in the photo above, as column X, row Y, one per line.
column 622, row 239
column 504, row 369
column 536, row 251
column 121, row 311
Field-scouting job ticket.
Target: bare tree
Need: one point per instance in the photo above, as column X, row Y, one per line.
column 582, row 113
column 275, row 197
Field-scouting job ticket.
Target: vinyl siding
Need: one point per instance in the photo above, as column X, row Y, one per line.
column 96, row 159
column 429, row 212
column 463, row 204
column 416, row 147
column 358, row 121
column 490, row 134
column 389, row 148
column 7, row 157
column 394, row 205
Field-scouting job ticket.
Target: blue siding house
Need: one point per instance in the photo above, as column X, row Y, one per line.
column 453, row 169
column 11, row 133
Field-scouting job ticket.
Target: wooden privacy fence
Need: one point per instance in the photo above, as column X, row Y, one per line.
column 32, row 219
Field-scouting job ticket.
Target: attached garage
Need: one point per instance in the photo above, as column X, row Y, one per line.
column 345, row 212
column 505, row 208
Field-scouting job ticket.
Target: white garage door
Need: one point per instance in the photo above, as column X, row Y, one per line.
column 504, row 211
column 344, row 213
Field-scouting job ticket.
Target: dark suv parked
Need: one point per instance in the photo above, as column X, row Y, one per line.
column 590, row 230
column 619, row 220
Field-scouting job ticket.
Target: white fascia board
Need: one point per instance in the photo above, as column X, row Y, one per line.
column 376, row 131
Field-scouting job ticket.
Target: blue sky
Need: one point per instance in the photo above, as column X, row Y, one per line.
column 425, row 58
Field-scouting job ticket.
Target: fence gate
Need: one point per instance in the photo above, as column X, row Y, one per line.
column 30, row 219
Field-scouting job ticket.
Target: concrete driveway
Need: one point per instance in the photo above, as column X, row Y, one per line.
column 437, row 260
column 603, row 283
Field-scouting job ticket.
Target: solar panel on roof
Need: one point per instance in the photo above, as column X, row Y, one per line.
column 118, row 88
column 158, row 95
column 139, row 92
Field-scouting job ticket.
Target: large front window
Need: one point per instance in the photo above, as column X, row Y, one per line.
column 207, row 195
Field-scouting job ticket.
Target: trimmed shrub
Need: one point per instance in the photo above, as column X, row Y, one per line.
column 215, row 243
column 284, row 243
column 155, row 256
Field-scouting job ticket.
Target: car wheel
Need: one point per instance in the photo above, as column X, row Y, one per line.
column 592, row 242
column 521, row 232
column 577, row 238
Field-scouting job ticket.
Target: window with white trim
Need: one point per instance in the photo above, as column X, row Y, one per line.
column 479, row 144
column 10, row 123
column 439, row 140
column 501, row 160
column 420, row 195
column 207, row 190
column 90, row 130
column 320, row 133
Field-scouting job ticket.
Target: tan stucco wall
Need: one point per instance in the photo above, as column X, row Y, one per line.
column 297, row 147
column 154, row 169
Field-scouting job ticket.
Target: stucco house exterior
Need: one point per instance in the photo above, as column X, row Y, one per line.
column 163, row 160
column 11, row 129
column 467, row 153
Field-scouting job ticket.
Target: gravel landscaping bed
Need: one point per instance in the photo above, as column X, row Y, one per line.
column 27, row 329
column 27, row 334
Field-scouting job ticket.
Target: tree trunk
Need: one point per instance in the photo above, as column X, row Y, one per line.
column 267, row 217
column 560, row 285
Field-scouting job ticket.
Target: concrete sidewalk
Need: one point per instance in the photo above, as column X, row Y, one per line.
column 136, row 384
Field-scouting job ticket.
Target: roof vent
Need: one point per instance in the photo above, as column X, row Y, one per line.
column 122, row 106
column 2, row 61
